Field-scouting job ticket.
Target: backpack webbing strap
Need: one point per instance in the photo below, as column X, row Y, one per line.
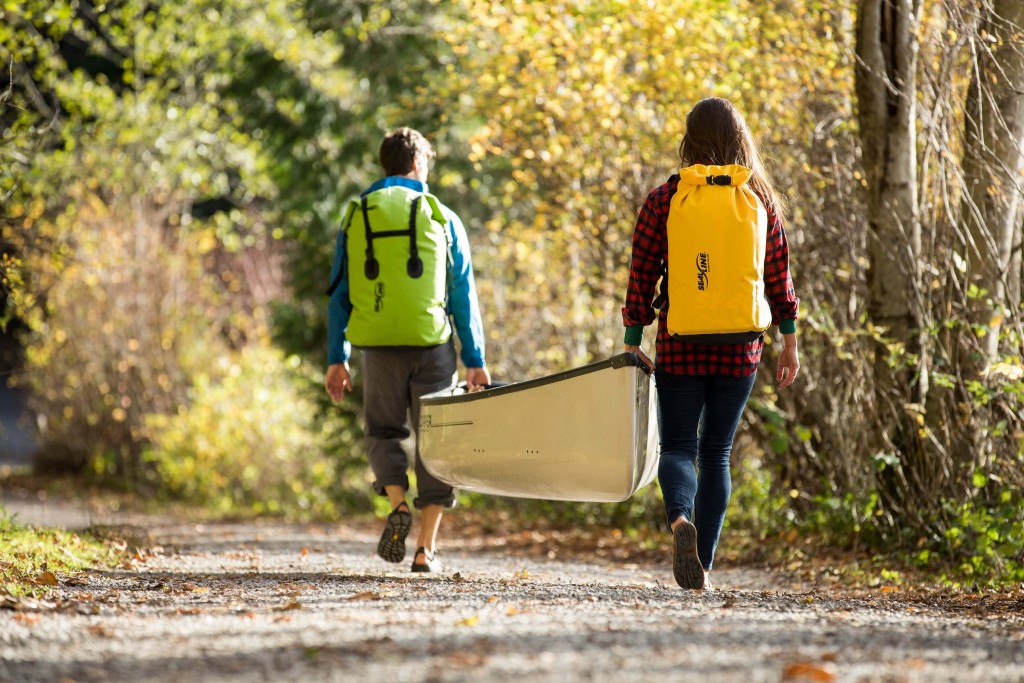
column 414, row 266
column 371, row 268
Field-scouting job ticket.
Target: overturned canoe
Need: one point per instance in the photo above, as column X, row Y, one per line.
column 587, row 434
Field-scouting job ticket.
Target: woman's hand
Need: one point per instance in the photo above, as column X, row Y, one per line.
column 643, row 356
column 789, row 362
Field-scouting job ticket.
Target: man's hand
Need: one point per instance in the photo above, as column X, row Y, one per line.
column 789, row 364
column 477, row 378
column 338, row 381
column 643, row 356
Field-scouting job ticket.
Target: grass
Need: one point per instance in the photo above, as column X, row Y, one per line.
column 33, row 560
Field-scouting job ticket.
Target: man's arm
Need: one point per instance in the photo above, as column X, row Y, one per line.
column 339, row 308
column 464, row 306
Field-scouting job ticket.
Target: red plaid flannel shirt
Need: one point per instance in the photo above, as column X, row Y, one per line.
column 650, row 252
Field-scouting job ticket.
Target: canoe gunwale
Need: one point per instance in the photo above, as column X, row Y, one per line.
column 622, row 360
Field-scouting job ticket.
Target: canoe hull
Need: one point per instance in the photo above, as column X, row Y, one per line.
column 586, row 435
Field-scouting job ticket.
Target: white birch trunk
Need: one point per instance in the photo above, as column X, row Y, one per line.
column 993, row 166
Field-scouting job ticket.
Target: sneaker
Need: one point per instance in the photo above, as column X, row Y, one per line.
column 433, row 564
column 392, row 540
column 686, row 566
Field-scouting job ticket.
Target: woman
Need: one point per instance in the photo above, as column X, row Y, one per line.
column 705, row 370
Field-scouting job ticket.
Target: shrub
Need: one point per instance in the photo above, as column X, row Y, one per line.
column 245, row 441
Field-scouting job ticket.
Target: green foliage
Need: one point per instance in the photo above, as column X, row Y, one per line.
column 984, row 539
column 756, row 504
column 158, row 156
column 171, row 184
column 246, row 441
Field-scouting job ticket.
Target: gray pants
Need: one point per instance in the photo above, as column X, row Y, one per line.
column 393, row 381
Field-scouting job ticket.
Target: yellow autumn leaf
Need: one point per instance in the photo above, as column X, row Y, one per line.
column 47, row 579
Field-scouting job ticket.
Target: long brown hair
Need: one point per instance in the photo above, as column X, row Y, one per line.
column 717, row 134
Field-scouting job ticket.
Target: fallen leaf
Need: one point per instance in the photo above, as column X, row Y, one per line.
column 201, row 589
column 466, row 659
column 822, row 673
column 290, row 605
column 470, row 621
column 512, row 611
column 47, row 579
column 366, row 595
column 305, row 551
column 27, row 619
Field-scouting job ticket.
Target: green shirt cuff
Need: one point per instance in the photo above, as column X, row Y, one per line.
column 634, row 335
column 787, row 326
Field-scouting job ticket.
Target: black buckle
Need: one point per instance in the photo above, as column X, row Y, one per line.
column 719, row 180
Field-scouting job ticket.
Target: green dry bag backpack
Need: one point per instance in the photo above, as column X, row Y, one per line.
column 398, row 252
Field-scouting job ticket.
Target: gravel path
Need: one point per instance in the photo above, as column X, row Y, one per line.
column 268, row 602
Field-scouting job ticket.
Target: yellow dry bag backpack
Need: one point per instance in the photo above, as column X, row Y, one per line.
column 717, row 230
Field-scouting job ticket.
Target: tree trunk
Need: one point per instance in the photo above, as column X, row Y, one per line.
column 886, row 85
column 993, row 164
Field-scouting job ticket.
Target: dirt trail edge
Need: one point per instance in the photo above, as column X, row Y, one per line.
column 267, row 602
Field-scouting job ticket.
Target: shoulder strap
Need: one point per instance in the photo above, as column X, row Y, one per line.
column 345, row 223
column 662, row 297
column 440, row 217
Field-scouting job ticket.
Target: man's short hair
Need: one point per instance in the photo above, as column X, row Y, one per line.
column 400, row 147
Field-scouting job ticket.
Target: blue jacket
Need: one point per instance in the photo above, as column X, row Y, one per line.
column 462, row 302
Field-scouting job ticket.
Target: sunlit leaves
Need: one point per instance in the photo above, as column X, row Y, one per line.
column 581, row 108
column 144, row 177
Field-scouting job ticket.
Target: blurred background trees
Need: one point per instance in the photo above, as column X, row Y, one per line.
column 173, row 173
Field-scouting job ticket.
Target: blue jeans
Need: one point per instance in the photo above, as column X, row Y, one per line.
column 698, row 417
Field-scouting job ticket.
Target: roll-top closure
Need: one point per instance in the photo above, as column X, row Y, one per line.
column 732, row 175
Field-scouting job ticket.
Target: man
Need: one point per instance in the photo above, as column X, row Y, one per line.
column 401, row 272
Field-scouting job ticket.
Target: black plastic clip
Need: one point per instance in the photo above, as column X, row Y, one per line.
column 719, row 180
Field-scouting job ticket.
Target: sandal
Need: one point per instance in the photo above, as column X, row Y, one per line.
column 433, row 564
column 392, row 540
column 686, row 566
